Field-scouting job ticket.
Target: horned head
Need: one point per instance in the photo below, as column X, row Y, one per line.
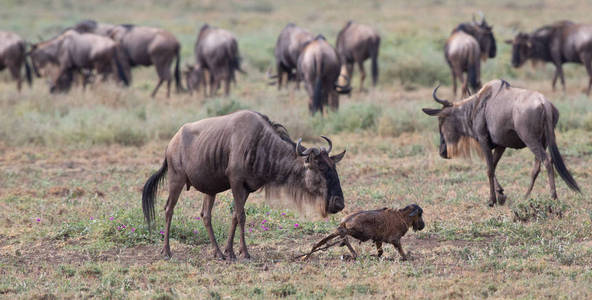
column 321, row 176
column 447, row 123
column 521, row 48
column 415, row 213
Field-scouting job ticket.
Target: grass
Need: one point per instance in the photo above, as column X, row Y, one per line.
column 77, row 163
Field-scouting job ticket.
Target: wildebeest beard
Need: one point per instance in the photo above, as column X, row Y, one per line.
column 274, row 159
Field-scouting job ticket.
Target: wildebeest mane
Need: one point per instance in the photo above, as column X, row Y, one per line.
column 128, row 27
column 272, row 156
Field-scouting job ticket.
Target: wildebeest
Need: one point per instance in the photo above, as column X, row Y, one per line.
column 468, row 44
column 288, row 47
column 243, row 151
column 73, row 51
column 148, row 46
column 319, row 66
column 13, row 55
column 558, row 43
column 381, row 226
column 216, row 51
column 498, row 117
column 356, row 43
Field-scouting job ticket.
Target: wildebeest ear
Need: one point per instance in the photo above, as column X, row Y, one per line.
column 431, row 111
column 414, row 212
column 509, row 42
column 337, row 158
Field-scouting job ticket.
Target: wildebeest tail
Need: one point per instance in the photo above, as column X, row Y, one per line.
column 178, row 71
column 374, row 56
column 473, row 74
column 119, row 66
column 149, row 192
column 317, row 96
column 555, row 155
column 28, row 73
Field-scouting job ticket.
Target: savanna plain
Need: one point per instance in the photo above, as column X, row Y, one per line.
column 72, row 166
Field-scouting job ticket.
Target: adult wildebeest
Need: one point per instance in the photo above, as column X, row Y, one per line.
column 288, row 47
column 500, row 117
column 73, row 51
column 13, row 55
column 558, row 43
column 356, row 43
column 148, row 46
column 243, row 151
column 319, row 66
column 468, row 44
column 216, row 51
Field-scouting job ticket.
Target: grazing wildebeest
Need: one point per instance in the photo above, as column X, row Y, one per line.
column 243, row 151
column 216, row 51
column 468, row 44
column 381, row 226
column 319, row 66
column 498, row 117
column 73, row 51
column 288, row 47
column 13, row 55
column 356, row 43
column 558, row 43
column 148, row 46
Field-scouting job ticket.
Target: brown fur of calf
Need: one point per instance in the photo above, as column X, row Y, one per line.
column 381, row 226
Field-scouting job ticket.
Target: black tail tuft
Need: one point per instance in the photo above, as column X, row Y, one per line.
column 178, row 72
column 317, row 96
column 28, row 73
column 375, row 62
column 473, row 74
column 149, row 193
column 562, row 169
column 120, row 72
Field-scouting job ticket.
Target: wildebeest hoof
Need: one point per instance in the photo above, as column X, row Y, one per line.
column 347, row 257
column 404, row 258
column 245, row 255
column 230, row 254
column 218, row 255
column 491, row 203
column 166, row 253
column 501, row 199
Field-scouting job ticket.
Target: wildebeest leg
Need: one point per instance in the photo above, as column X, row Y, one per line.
column 227, row 85
column 560, row 72
column 349, row 246
column 280, row 75
column 363, row 74
column 555, row 79
column 378, row 248
column 541, row 155
column 206, row 215
column 586, row 58
column 533, row 176
column 397, row 244
column 465, row 85
column 321, row 243
column 176, row 184
column 490, row 171
column 238, row 217
column 453, row 82
column 15, row 71
column 497, row 155
column 156, row 88
column 168, row 88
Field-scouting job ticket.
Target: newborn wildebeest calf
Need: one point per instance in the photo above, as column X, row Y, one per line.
column 382, row 226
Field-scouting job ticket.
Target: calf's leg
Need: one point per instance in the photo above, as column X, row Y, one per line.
column 397, row 244
column 378, row 248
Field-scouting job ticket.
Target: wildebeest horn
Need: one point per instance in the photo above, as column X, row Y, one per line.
column 446, row 103
column 328, row 142
column 302, row 153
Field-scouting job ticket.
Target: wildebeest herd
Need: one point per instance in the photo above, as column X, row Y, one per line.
column 246, row 151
